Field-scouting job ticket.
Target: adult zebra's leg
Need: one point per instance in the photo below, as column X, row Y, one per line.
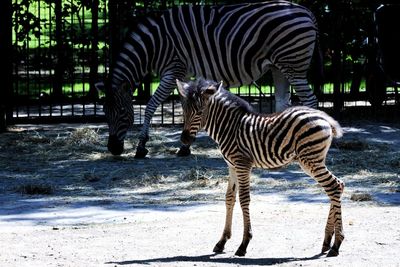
column 300, row 84
column 333, row 187
column 304, row 92
column 184, row 151
column 167, row 85
column 243, row 176
column 230, row 199
column 282, row 90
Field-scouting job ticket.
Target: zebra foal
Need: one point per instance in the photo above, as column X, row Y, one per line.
column 248, row 139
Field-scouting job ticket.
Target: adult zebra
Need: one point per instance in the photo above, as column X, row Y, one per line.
column 247, row 139
column 234, row 43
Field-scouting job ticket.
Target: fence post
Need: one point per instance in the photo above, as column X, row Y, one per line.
column 6, row 61
column 114, row 30
column 61, row 49
column 94, row 61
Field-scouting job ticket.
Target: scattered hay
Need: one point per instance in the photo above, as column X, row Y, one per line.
column 83, row 136
column 37, row 138
column 198, row 177
column 149, row 179
column 195, row 174
column 361, row 197
column 35, row 189
column 78, row 157
column 190, row 175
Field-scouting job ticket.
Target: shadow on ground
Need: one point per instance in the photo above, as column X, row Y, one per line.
column 211, row 258
column 74, row 164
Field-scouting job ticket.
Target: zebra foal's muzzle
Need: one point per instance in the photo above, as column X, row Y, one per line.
column 114, row 145
column 187, row 138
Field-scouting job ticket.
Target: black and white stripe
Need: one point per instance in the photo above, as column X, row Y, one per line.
column 248, row 139
column 234, row 43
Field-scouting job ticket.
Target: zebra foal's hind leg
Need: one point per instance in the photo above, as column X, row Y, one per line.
column 230, row 199
column 334, row 188
column 334, row 223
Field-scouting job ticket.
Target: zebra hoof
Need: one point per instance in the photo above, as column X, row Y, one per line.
column 240, row 252
column 183, row 151
column 218, row 248
column 141, row 152
column 333, row 253
column 325, row 249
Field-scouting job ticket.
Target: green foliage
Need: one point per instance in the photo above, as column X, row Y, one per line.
column 344, row 26
column 26, row 23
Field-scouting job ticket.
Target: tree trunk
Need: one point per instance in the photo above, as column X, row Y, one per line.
column 6, row 61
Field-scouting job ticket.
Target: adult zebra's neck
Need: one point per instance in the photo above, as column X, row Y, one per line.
column 224, row 112
column 139, row 53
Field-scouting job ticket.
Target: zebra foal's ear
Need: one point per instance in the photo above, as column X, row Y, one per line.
column 181, row 88
column 213, row 88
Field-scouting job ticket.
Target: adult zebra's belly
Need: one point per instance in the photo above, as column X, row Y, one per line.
column 230, row 77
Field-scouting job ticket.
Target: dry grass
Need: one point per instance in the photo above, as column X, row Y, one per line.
column 84, row 136
column 76, row 161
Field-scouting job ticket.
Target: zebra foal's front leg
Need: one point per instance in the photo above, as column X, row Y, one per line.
column 230, row 199
column 243, row 176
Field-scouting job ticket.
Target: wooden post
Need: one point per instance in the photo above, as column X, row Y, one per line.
column 6, row 62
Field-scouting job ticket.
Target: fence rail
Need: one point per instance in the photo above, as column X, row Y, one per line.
column 57, row 50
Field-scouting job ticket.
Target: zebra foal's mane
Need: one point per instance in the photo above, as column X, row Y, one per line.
column 199, row 86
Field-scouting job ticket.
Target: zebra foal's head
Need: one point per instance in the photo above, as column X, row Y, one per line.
column 118, row 110
column 195, row 97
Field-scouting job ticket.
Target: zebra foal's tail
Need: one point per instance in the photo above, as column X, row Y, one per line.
column 336, row 128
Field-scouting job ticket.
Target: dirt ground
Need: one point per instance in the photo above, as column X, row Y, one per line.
column 65, row 201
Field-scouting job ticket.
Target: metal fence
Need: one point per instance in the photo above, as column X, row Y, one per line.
column 60, row 49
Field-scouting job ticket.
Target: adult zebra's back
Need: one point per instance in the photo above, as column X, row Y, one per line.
column 233, row 43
